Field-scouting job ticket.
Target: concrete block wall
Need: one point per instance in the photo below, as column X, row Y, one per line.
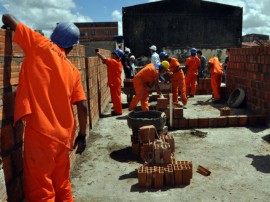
column 94, row 78
column 249, row 69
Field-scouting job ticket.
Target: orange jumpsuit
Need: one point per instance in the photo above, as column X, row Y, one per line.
column 48, row 86
column 147, row 74
column 114, row 70
column 178, row 81
column 216, row 76
column 193, row 63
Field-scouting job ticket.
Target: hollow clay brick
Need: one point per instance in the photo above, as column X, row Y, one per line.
column 222, row 121
column 178, row 113
column 183, row 123
column 232, row 121
column 159, row 175
column 204, row 171
column 242, row 120
column 186, row 174
column 193, row 123
column 213, row 122
column 142, row 177
column 203, row 122
column 225, row 111
column 147, row 133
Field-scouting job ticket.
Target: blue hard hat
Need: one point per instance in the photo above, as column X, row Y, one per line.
column 119, row 53
column 193, row 51
column 163, row 55
column 65, row 35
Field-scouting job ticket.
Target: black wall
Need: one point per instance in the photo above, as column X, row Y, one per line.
column 181, row 24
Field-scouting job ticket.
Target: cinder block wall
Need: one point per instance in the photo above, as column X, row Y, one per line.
column 249, row 69
column 94, row 78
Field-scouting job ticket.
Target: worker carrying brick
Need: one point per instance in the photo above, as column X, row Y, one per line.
column 114, row 71
column 178, row 78
column 192, row 65
column 49, row 84
column 216, row 72
column 146, row 78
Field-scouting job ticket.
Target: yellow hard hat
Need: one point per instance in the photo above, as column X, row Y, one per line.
column 165, row 64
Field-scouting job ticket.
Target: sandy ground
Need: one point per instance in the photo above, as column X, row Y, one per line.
column 238, row 159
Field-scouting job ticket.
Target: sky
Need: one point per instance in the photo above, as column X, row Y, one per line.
column 44, row 14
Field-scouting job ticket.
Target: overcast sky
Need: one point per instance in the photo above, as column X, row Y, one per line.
column 44, row 14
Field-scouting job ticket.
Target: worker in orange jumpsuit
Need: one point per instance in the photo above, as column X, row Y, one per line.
column 216, row 72
column 49, row 84
column 192, row 65
column 178, row 78
column 114, row 71
column 146, row 78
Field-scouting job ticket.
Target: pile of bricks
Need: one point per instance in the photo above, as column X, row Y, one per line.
column 172, row 175
column 160, row 167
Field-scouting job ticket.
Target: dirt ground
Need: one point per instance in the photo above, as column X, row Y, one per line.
column 238, row 158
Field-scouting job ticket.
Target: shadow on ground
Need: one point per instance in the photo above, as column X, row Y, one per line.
column 261, row 163
column 125, row 155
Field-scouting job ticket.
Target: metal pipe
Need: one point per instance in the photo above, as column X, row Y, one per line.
column 171, row 109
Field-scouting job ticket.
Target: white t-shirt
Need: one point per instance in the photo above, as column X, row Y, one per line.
column 155, row 59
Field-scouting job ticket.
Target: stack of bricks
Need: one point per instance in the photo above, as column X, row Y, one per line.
column 98, row 92
column 249, row 69
column 11, row 164
column 172, row 175
column 160, row 168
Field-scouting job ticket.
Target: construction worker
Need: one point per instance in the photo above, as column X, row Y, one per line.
column 216, row 72
column 192, row 65
column 178, row 78
column 114, row 71
column 154, row 56
column 146, row 78
column 125, row 60
column 49, row 84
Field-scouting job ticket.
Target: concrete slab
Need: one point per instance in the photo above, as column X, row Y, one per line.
column 238, row 158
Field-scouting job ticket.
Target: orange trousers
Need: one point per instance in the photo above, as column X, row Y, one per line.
column 141, row 94
column 191, row 84
column 215, row 84
column 179, row 85
column 116, row 98
column 46, row 169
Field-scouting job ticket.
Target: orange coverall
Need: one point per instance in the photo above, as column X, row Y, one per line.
column 147, row 74
column 178, row 81
column 193, row 64
column 48, row 86
column 114, row 71
column 216, row 76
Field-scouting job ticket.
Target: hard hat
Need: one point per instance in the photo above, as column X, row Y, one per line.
column 165, row 64
column 163, row 55
column 65, row 35
column 193, row 51
column 153, row 47
column 127, row 50
column 119, row 53
column 132, row 57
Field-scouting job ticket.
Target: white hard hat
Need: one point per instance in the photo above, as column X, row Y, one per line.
column 153, row 47
column 132, row 57
column 127, row 50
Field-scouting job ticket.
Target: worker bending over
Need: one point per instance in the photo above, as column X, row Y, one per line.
column 114, row 71
column 49, row 84
column 216, row 72
column 178, row 78
column 192, row 64
column 146, row 78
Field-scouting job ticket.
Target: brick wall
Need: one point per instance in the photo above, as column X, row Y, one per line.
column 249, row 69
column 94, row 78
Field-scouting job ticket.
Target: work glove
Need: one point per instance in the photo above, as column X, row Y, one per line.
column 80, row 143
